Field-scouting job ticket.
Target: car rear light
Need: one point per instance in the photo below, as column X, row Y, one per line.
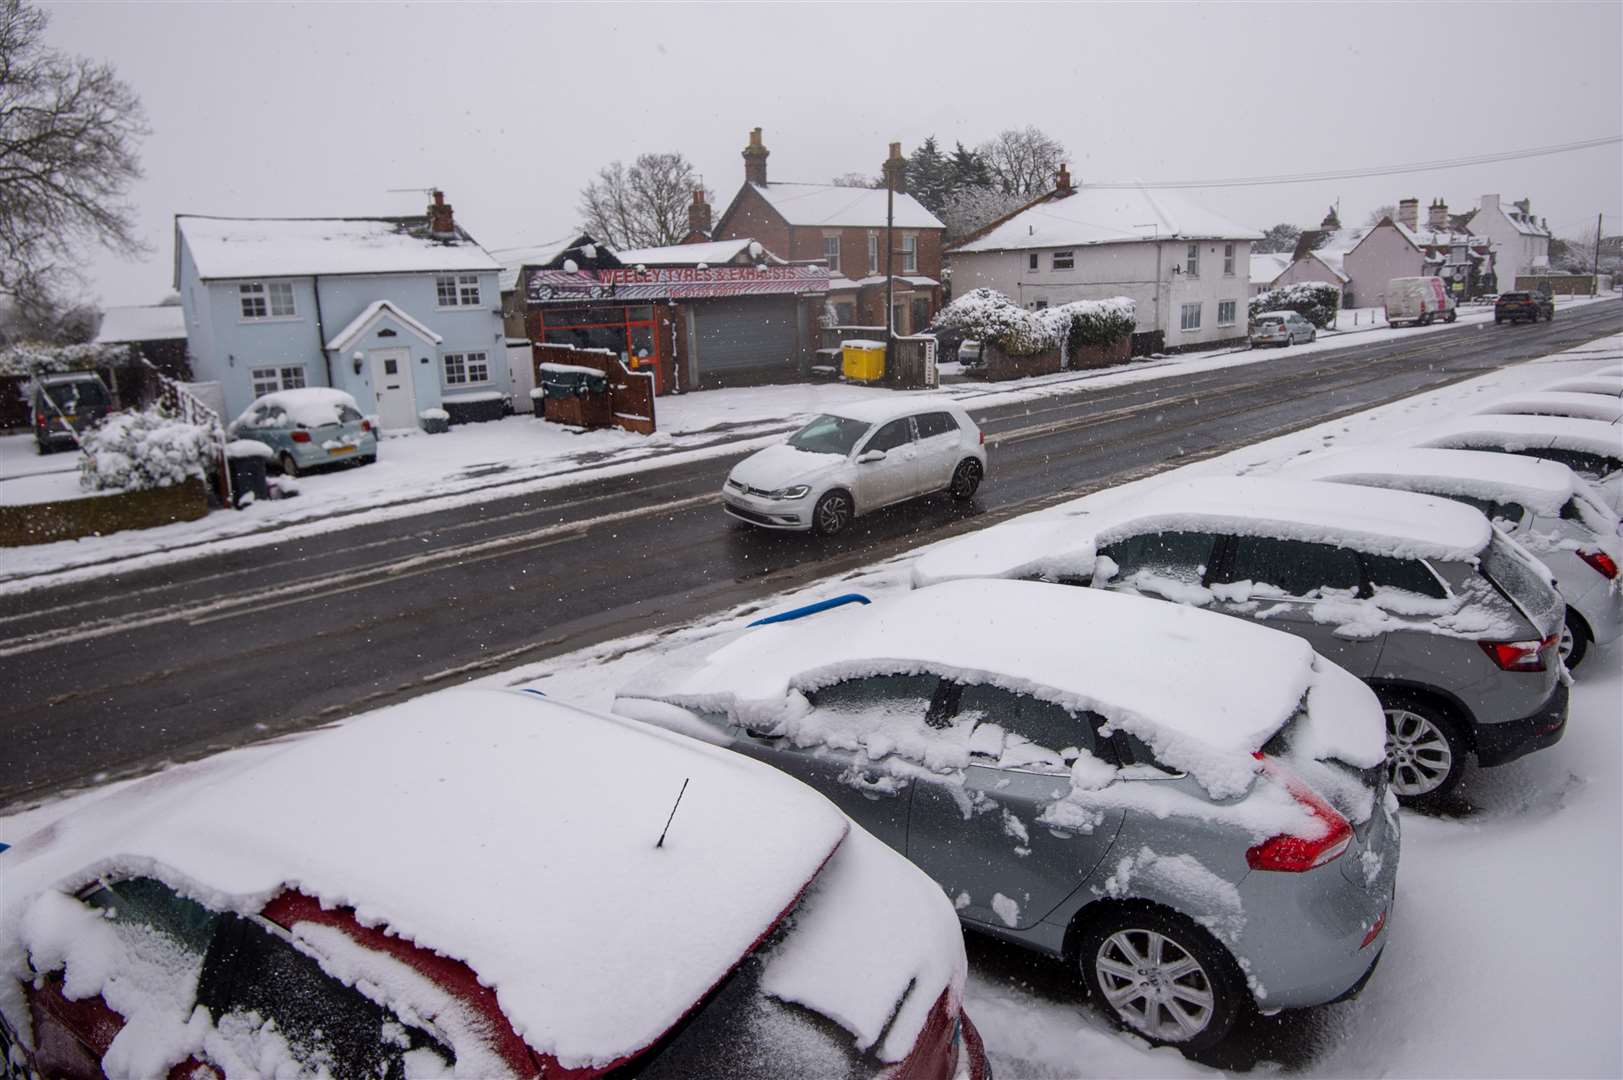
column 1295, row 854
column 301, row 436
column 1519, row 655
column 1374, row 931
column 983, row 438
column 1602, row 562
column 366, row 425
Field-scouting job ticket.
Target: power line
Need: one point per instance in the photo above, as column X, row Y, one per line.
column 1378, row 170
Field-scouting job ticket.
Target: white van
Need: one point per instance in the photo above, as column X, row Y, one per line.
column 1418, row 300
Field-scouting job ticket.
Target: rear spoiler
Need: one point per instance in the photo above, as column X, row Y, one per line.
column 813, row 609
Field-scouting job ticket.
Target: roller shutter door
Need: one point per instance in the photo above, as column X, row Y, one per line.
column 746, row 340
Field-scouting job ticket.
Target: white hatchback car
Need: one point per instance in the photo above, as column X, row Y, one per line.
column 857, row 460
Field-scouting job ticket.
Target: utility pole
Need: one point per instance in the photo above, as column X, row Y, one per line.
column 890, row 280
column 1594, row 281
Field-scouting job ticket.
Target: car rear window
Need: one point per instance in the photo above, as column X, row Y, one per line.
column 82, row 395
column 1410, row 575
column 1041, row 723
column 1587, row 465
column 1523, row 583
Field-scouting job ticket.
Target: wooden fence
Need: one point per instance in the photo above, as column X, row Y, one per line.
column 628, row 403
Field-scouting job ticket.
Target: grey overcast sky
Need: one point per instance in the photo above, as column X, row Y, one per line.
column 318, row 109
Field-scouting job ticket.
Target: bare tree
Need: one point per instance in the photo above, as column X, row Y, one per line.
column 1022, row 161
column 1387, row 211
column 971, row 208
column 68, row 133
column 856, row 179
column 643, row 206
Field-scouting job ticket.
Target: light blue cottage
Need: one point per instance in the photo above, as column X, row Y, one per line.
column 403, row 313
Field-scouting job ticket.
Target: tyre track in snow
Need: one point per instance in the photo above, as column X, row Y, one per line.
column 120, row 675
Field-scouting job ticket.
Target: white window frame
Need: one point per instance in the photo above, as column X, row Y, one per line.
column 1228, row 260
column 831, row 251
column 1184, row 324
column 910, row 253
column 1063, row 260
column 873, row 253
column 1234, row 312
column 462, row 289
column 278, row 377
column 1191, row 261
column 458, row 368
column 276, row 299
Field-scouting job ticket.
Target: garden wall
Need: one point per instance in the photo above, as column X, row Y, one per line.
column 98, row 515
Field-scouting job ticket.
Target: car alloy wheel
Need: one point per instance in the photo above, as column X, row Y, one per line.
column 289, row 466
column 1574, row 643
column 833, row 513
column 966, row 479
column 1419, row 756
column 1155, row 985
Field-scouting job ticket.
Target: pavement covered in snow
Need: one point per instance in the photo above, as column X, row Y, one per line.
column 1505, row 942
column 473, row 463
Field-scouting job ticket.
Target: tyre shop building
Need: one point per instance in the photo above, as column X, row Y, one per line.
column 697, row 316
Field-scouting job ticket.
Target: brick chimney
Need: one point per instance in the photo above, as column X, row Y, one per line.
column 1409, row 213
column 441, row 226
column 895, row 170
column 1437, row 216
column 1062, row 182
column 699, row 214
column 755, row 155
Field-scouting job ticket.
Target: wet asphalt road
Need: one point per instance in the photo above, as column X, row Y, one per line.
column 120, row 674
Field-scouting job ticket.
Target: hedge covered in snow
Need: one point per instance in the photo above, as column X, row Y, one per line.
column 1315, row 301
column 992, row 318
column 133, row 451
column 36, row 358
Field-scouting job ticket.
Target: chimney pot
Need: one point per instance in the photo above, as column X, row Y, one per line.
column 1062, row 182
column 441, row 223
column 1409, row 213
column 895, row 170
column 755, row 155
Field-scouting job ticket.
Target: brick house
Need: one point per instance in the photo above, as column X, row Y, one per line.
column 844, row 226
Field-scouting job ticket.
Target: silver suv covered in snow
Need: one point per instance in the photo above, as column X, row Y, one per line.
column 1453, row 625
column 1191, row 810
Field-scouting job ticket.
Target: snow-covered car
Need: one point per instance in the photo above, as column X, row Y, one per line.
column 1454, row 625
column 1190, row 810
column 1542, row 505
column 969, row 352
column 848, row 463
column 308, row 428
column 1282, row 328
column 1579, row 406
column 1591, row 448
column 1596, row 382
column 487, row 884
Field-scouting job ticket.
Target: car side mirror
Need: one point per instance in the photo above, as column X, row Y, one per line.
column 869, row 456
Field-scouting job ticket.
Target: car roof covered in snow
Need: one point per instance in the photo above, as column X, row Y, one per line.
column 1277, row 314
column 1599, row 382
column 890, row 406
column 1065, row 542
column 1559, row 403
column 1542, row 486
column 293, row 247
column 1204, row 689
column 311, row 406
column 1515, row 433
column 514, row 834
column 1108, row 215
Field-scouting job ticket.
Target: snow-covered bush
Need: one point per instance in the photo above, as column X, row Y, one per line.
column 1091, row 322
column 133, row 451
column 1315, row 301
column 992, row 318
column 37, row 358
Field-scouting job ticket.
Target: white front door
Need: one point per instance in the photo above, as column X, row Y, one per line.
column 391, row 381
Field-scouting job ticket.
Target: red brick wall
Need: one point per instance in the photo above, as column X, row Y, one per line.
column 753, row 217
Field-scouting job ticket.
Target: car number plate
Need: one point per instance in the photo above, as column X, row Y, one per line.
column 337, row 450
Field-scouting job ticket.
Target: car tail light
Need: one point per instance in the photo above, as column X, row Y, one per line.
column 366, row 425
column 1602, row 562
column 983, row 438
column 1519, row 655
column 1374, row 931
column 1295, row 854
column 301, row 436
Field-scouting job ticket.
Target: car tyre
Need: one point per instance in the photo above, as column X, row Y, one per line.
column 833, row 513
column 1425, row 750
column 1163, row 977
column 966, row 478
column 1575, row 639
column 1451, row 316
column 289, row 466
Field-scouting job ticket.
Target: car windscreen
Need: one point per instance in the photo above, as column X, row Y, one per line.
column 829, row 434
column 1521, row 580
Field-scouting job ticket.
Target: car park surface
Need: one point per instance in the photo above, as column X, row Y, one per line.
column 556, row 927
column 1162, row 821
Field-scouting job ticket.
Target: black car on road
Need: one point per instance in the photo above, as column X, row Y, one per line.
column 1516, row 306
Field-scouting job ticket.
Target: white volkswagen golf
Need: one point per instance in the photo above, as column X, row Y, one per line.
column 857, row 460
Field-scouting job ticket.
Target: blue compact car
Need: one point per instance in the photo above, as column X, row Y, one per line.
column 309, row 428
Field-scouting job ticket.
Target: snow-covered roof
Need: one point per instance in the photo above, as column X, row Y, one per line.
column 125, row 324
column 834, row 206
column 511, row 833
column 374, row 312
column 1525, row 224
column 1268, row 265
column 1543, row 486
column 1516, row 433
column 1560, row 403
column 1217, row 689
column 1424, row 237
column 1109, row 216
column 915, row 280
column 1593, row 383
column 293, row 247
column 1332, row 261
column 1378, row 522
column 713, row 253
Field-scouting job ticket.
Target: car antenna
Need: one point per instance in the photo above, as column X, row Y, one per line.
column 661, row 842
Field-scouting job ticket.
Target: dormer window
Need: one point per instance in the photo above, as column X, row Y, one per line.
column 267, row 300
column 457, row 290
